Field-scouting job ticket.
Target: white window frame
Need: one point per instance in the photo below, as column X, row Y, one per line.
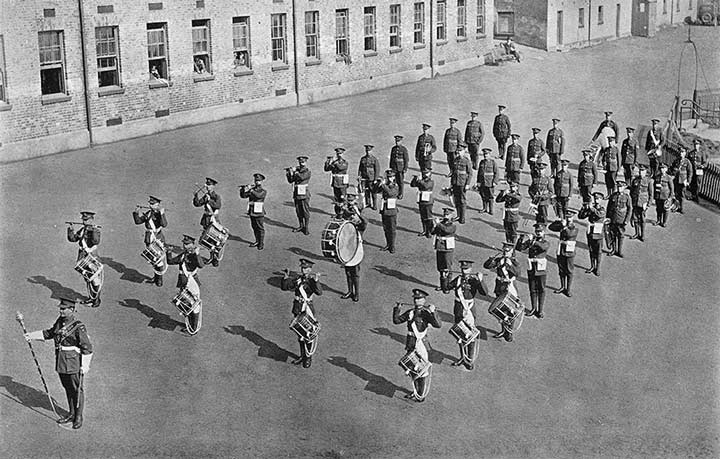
column 342, row 32
column 52, row 58
column 107, row 49
column 601, row 15
column 461, row 31
column 157, row 46
column 312, row 35
column 441, row 22
column 419, row 23
column 480, row 18
column 241, row 42
column 202, row 46
column 278, row 38
column 581, row 18
column 395, row 26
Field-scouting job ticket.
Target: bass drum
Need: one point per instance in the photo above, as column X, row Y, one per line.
column 341, row 241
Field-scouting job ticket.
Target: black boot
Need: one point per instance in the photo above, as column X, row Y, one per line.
column 562, row 286
column 158, row 280
column 77, row 423
column 568, row 283
column 619, row 244
column 541, row 303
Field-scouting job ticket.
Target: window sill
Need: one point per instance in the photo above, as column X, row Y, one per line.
column 244, row 72
column 4, row 106
column 206, row 77
column 279, row 67
column 365, row 54
column 395, row 50
column 159, row 84
column 441, row 42
column 313, row 62
column 110, row 90
column 460, row 39
column 48, row 99
column 480, row 36
column 419, row 46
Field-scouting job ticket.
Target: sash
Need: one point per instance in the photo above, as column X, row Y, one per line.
column 540, row 264
column 419, row 336
column 65, row 331
column 306, row 299
column 466, row 304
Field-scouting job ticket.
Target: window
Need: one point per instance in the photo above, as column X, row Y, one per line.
column 312, row 34
column 52, row 62
column 157, row 50
column 601, row 15
column 461, row 19
column 505, row 23
column 419, row 23
column 241, row 42
column 664, row 6
column 581, row 18
column 677, row 5
column 277, row 38
column 201, row 46
column 394, row 26
column 441, row 18
column 369, row 28
column 480, row 18
column 3, row 95
column 342, row 31
column 108, row 59
column 689, row 4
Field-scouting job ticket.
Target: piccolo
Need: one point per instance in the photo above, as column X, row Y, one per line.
column 81, row 223
column 243, row 186
column 460, row 272
column 147, row 207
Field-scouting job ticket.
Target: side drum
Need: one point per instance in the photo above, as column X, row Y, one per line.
column 508, row 308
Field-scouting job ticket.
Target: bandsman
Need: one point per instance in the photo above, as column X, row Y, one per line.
column 555, row 144
column 256, row 195
column 587, row 175
column 641, row 192
column 515, row 160
column 610, row 160
column 563, row 186
column 511, row 212
column 299, row 177
column 619, row 212
column 474, row 135
column 451, row 141
column 501, row 130
column 595, row 213
column 73, row 354
column 88, row 238
column 154, row 220
column 399, row 162
column 211, row 201
column 425, row 147
column 487, row 178
column 418, row 319
column 664, row 190
column 566, row 253
column 540, row 191
column 699, row 160
column 460, row 176
column 389, row 211
column 338, row 167
column 535, row 149
column 444, row 231
column 683, row 176
column 425, row 200
column 629, row 153
column 305, row 287
column 653, row 141
column 467, row 286
column 537, row 248
column 506, row 270
column 189, row 262
column 351, row 212
column 606, row 123
column 368, row 172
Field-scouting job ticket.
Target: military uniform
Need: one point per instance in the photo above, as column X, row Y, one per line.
column 699, row 160
column 566, row 255
column 641, row 192
column 537, row 270
column 189, row 261
column 300, row 178
column 487, row 178
column 399, row 162
column 563, row 186
column 619, row 211
column 540, row 191
column 460, row 182
column 423, row 154
column 664, row 190
column 555, row 145
column 369, row 171
column 390, row 192
column 606, row 123
column 352, row 214
column 305, row 286
column 535, row 150
column 629, row 154
column 154, row 220
column 466, row 286
column 501, row 131
column 595, row 213
column 511, row 215
column 683, row 176
column 514, row 162
column 474, row 135
column 653, row 140
column 256, row 209
column 418, row 320
column 425, row 200
column 610, row 158
column 587, row 177
column 506, row 270
column 88, row 238
column 451, row 139
column 338, row 167
column 211, row 202
column 444, row 232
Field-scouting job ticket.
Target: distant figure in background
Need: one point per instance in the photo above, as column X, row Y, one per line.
column 399, row 162
column 683, row 176
column 555, row 145
column 474, row 135
column 653, row 141
column 629, row 153
column 256, row 195
column 699, row 160
column 425, row 148
column 451, row 139
column 501, row 130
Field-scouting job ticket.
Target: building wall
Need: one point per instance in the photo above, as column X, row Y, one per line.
column 531, row 21
column 142, row 105
column 593, row 30
column 674, row 11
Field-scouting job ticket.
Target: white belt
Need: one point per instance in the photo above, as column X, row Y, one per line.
column 344, row 177
column 70, row 348
column 540, row 264
column 513, row 209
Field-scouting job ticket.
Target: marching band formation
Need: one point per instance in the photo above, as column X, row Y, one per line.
column 628, row 199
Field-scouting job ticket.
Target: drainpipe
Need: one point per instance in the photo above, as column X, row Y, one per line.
column 85, row 73
column 432, row 42
column 589, row 22
column 672, row 11
column 295, row 54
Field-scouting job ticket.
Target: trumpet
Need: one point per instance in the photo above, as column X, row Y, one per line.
column 244, row 186
column 449, row 271
column 289, row 168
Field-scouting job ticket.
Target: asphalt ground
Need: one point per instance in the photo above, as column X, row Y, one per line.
column 626, row 368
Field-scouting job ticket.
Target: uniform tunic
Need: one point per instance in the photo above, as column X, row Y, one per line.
column 399, row 162
column 300, row 178
column 514, row 162
column 425, row 201
column 256, row 210
column 511, row 215
column 536, row 150
column 389, row 211
column 88, row 234
column 629, row 155
column 487, row 178
column 610, row 157
column 595, row 231
column 450, row 143
column 154, row 223
column 190, row 262
column 444, row 233
column 425, row 159
column 566, row 250
column 664, row 190
column 459, row 180
column 555, row 145
column 212, row 203
column 563, row 187
column 420, row 316
column 698, row 159
column 469, row 286
column 339, row 170
column 587, row 177
column 474, row 135
column 537, row 264
column 506, row 270
column 501, row 131
column 368, row 172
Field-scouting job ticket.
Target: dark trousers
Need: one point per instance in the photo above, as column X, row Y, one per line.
column 450, row 157
column 512, row 176
column 695, row 185
column 639, row 221
column 653, row 166
column 617, row 231
column 536, row 283
column 474, row 156
column 660, row 211
column 426, row 218
column 339, row 193
column 510, row 231
column 554, row 162
column 585, row 193
column 460, row 201
column 610, row 178
column 542, row 213
column 72, row 383
column 369, row 198
column 627, row 171
column 566, row 269
column 487, row 194
column 679, row 194
column 352, row 275
column 561, row 206
column 258, row 227
column 501, row 146
column 400, row 180
column 594, row 246
column 302, row 210
column 389, row 223
column 425, row 162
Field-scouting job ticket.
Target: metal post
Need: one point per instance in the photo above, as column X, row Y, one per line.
column 85, row 72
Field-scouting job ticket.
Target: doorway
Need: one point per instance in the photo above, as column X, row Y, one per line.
column 617, row 20
column 559, row 28
column 640, row 18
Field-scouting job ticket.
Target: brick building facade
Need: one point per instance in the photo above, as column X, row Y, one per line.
column 148, row 66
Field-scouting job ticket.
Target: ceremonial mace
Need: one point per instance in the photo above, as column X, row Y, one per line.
column 19, row 318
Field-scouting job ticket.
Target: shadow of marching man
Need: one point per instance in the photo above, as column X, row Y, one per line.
column 375, row 383
column 56, row 288
column 29, row 397
column 158, row 319
column 266, row 348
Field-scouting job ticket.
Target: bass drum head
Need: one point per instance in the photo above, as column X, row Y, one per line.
column 358, row 257
column 347, row 242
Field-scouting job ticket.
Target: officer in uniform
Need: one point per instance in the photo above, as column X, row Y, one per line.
column 305, row 286
column 515, row 160
column 73, row 354
column 587, row 175
column 501, row 130
column 607, row 122
column 368, row 172
column 506, row 269
column 444, row 231
column 466, row 286
column 566, row 253
column 474, row 135
column 683, row 177
column 399, row 162
column 88, row 238
column 207, row 198
column 300, row 178
column 654, row 139
column 537, row 268
column 154, row 220
column 698, row 158
column 389, row 211
column 563, row 185
column 425, row 148
column 451, row 140
column 418, row 319
column 351, row 212
column 487, row 178
column 338, row 167
column 610, row 158
column 256, row 208
column 595, row 213
column 619, row 212
column 629, row 152
column 511, row 215
column 641, row 192
column 461, row 174
column 424, row 185
column 555, row 144
column 541, row 192
column 535, row 149
column 189, row 261
column 664, row 190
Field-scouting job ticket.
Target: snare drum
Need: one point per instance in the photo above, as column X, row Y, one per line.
column 89, row 267
column 214, row 237
column 340, row 241
column 414, row 364
column 186, row 302
column 306, row 328
column 154, row 253
column 508, row 308
column 464, row 333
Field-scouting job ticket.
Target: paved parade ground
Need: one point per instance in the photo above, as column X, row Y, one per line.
column 627, row 367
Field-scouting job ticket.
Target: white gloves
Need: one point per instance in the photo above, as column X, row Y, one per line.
column 35, row 335
column 85, row 366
